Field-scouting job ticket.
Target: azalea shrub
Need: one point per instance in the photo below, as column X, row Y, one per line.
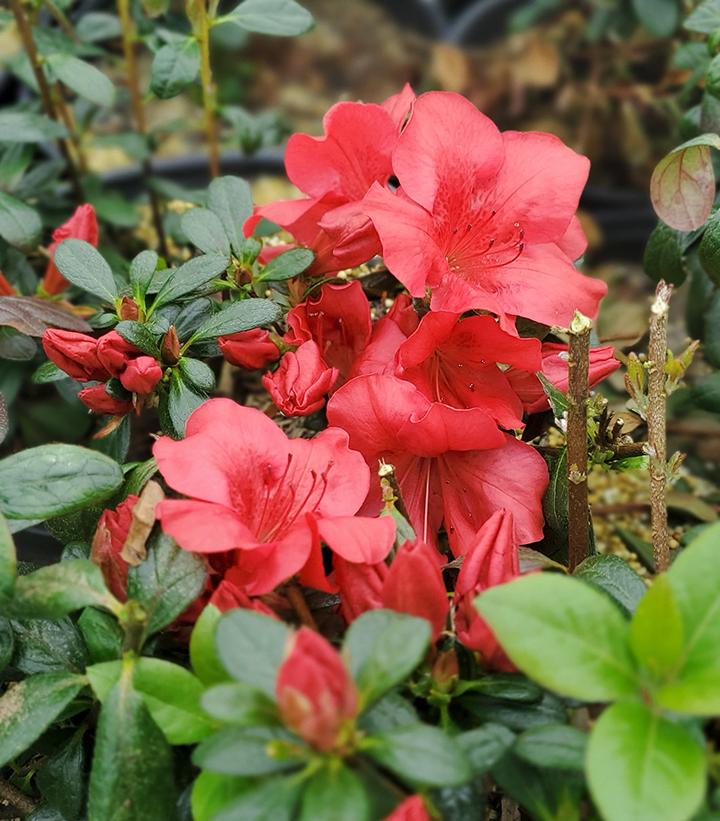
column 325, row 552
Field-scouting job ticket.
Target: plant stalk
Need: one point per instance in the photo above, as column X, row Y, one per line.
column 28, row 42
column 17, row 799
column 300, row 606
column 129, row 38
column 198, row 13
column 656, row 421
column 577, row 440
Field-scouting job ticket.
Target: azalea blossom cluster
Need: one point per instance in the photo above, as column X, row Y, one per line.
column 430, row 386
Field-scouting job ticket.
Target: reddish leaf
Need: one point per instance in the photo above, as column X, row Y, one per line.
column 33, row 316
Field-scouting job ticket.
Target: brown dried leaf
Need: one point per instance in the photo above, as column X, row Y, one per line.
column 143, row 519
column 33, row 316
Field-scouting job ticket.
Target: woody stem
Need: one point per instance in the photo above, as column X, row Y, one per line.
column 577, row 441
column 18, row 800
column 28, row 42
column 300, row 606
column 657, row 353
column 201, row 29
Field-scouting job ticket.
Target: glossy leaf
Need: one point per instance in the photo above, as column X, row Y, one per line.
column 142, row 269
column 614, row 575
column 288, row 265
column 485, row 746
column 8, row 560
column 559, row 746
column 241, row 315
column 335, row 793
column 197, row 374
column 43, row 646
column 189, row 276
column 203, row 650
column 709, row 249
column 663, row 258
column 62, row 778
column 244, row 751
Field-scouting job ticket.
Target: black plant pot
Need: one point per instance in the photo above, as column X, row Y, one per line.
column 424, row 16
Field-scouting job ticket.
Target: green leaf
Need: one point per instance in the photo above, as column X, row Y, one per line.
column 20, row 225
column 705, row 393
column 711, row 348
column 166, row 583
column 203, row 651
column 43, row 646
column 704, row 19
column 47, row 372
column 485, row 746
column 52, row 480
column 7, row 643
column 142, row 269
column 709, row 249
column 644, row 767
column 211, row 792
column 83, row 78
column 420, row 755
column 614, row 575
column 26, row 127
column 174, row 67
column 132, row 768
column 682, row 187
column 29, row 707
column 85, row 267
column 204, row 229
column 392, row 710
column 334, row 794
column 177, row 404
column 58, row 589
column 663, row 258
column 541, row 621
column 61, row 779
column 251, row 647
column 280, row 18
column 272, row 799
column 558, row 746
column 96, row 26
column 244, row 751
column 659, row 17
column 8, row 560
column 241, row 315
column 197, row 374
column 656, row 630
column 102, row 635
column 695, row 583
column 230, row 199
column 383, row 648
column 185, row 279
column 287, row 265
column 555, row 504
column 240, row 704
column 139, row 335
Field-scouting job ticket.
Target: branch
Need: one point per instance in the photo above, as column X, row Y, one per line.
column 201, row 28
column 577, row 440
column 17, row 799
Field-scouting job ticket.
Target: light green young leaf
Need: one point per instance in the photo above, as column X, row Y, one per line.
column 656, row 630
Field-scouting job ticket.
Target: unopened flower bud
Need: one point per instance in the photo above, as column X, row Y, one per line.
column 128, row 308
column 141, row 375
column 170, row 347
column 298, row 387
column 74, row 353
column 100, row 401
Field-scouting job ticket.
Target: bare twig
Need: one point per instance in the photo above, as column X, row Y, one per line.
column 198, row 13
column 28, row 42
column 129, row 37
column 577, row 440
column 657, row 354
column 17, row 799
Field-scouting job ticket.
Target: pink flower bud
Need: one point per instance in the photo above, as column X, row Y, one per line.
column 100, row 401
column 360, row 585
column 74, row 353
column 411, row 809
column 114, row 352
column 81, row 225
column 141, row 375
column 252, row 349
column 314, row 691
column 298, row 387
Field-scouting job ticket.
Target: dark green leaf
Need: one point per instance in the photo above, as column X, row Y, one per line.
column 43, row 646
column 659, row 17
column 541, row 622
column 711, row 348
column 52, row 480
column 281, row 18
column 241, row 315
column 252, row 646
column 84, row 266
column 705, row 18
column 197, row 374
column 62, row 779
column 138, row 335
column 709, row 249
column 287, row 265
column 383, row 648
column 705, row 393
column 132, row 769
column 102, row 634
column 663, row 257
column 96, row 26
column 142, row 269
column 555, row 509
column 194, row 273
column 486, row 745
column 48, row 372
column 7, row 643
column 176, row 405
column 559, row 746
column 272, row 799
column 58, row 589
column 244, row 751
column 20, row 225
column 174, row 67
column 29, row 707
column 26, row 127
column 612, row 574
column 167, row 582
column 229, row 198
column 204, row 229
column 83, row 78
column 8, row 560
column 463, row 803
column 655, row 768
column 334, row 794
column 420, row 755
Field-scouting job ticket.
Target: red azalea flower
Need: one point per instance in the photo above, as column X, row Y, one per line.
column 100, row 401
column 114, row 353
column 484, row 219
column 452, row 465
column 315, row 694
column 412, row 584
column 141, row 375
column 555, row 367
column 338, row 320
column 110, row 535
column 272, row 497
column 299, row 386
column 228, row 595
column 252, row 349
column 411, row 809
column 6, row 289
column 81, row 225
column 492, row 560
column 455, row 361
column 389, row 332
column 76, row 354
